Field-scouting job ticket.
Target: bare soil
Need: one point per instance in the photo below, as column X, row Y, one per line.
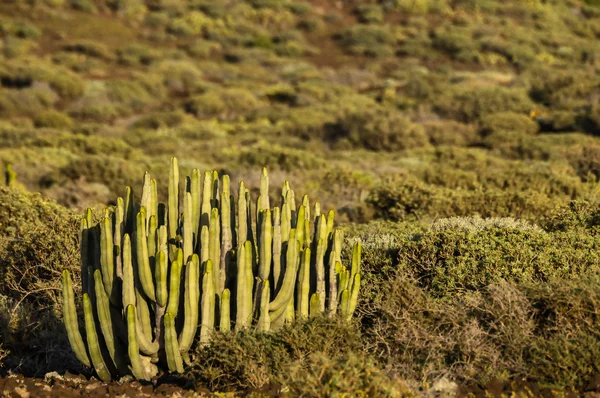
column 70, row 385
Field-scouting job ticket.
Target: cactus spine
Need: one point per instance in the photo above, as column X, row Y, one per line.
column 155, row 277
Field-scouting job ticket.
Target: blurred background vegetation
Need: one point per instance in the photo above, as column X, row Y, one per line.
column 399, row 114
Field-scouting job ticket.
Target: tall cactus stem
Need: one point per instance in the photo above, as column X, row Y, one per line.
column 92, row 341
column 215, row 248
column 107, row 255
column 70, row 320
column 104, row 316
column 143, row 260
column 206, row 196
column 173, row 205
column 132, row 345
column 207, row 304
column 303, row 285
column 225, row 309
column 190, row 303
column 188, row 225
column 172, row 348
column 264, row 321
column 241, row 299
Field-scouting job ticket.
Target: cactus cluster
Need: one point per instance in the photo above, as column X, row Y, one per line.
column 154, row 276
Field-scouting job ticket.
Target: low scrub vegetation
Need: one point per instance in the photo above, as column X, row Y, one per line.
column 458, row 141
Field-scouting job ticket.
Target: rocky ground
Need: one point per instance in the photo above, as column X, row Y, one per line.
column 71, row 385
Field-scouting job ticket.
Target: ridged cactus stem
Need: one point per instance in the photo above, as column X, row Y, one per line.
column 286, row 221
column 300, row 229
column 330, row 220
column 142, row 257
column 70, row 319
column 204, row 245
column 344, row 301
column 225, row 310
column 353, row 301
column 333, row 290
column 119, row 230
column 315, row 305
column 172, row 349
column 128, row 207
column 104, row 316
column 277, row 248
column 291, row 266
column 249, row 255
column 153, row 206
column 188, row 225
column 128, row 284
column 242, row 217
column 84, row 239
column 92, row 341
column 207, row 304
column 226, row 234
column 190, row 301
column 303, row 285
column 161, row 273
column 173, row 206
column 265, row 245
column 132, row 345
column 242, row 315
column 215, row 248
column 144, row 330
column 206, row 195
column 152, row 240
column 196, row 191
column 9, row 175
column 264, row 191
column 356, row 254
column 174, row 282
column 146, row 195
column 214, row 198
column 264, row 321
column 320, row 273
column 107, row 256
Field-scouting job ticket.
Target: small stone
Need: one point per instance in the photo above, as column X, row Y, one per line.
column 22, row 392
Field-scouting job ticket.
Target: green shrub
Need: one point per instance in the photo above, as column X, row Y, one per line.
column 378, row 129
column 506, row 130
column 244, row 360
column 450, row 132
column 114, row 173
column 411, row 199
column 350, row 375
column 576, row 215
column 89, row 48
column 226, row 103
column 38, row 239
column 53, row 119
column 458, row 43
column 278, row 157
column 83, row 5
column 468, row 254
column 369, row 13
column 136, row 55
column 467, row 104
column 159, row 120
column 503, row 332
column 369, row 40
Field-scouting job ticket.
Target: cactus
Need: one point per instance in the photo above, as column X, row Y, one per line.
column 9, row 175
column 156, row 277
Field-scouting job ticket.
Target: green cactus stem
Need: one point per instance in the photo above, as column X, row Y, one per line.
column 92, row 341
column 70, row 319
